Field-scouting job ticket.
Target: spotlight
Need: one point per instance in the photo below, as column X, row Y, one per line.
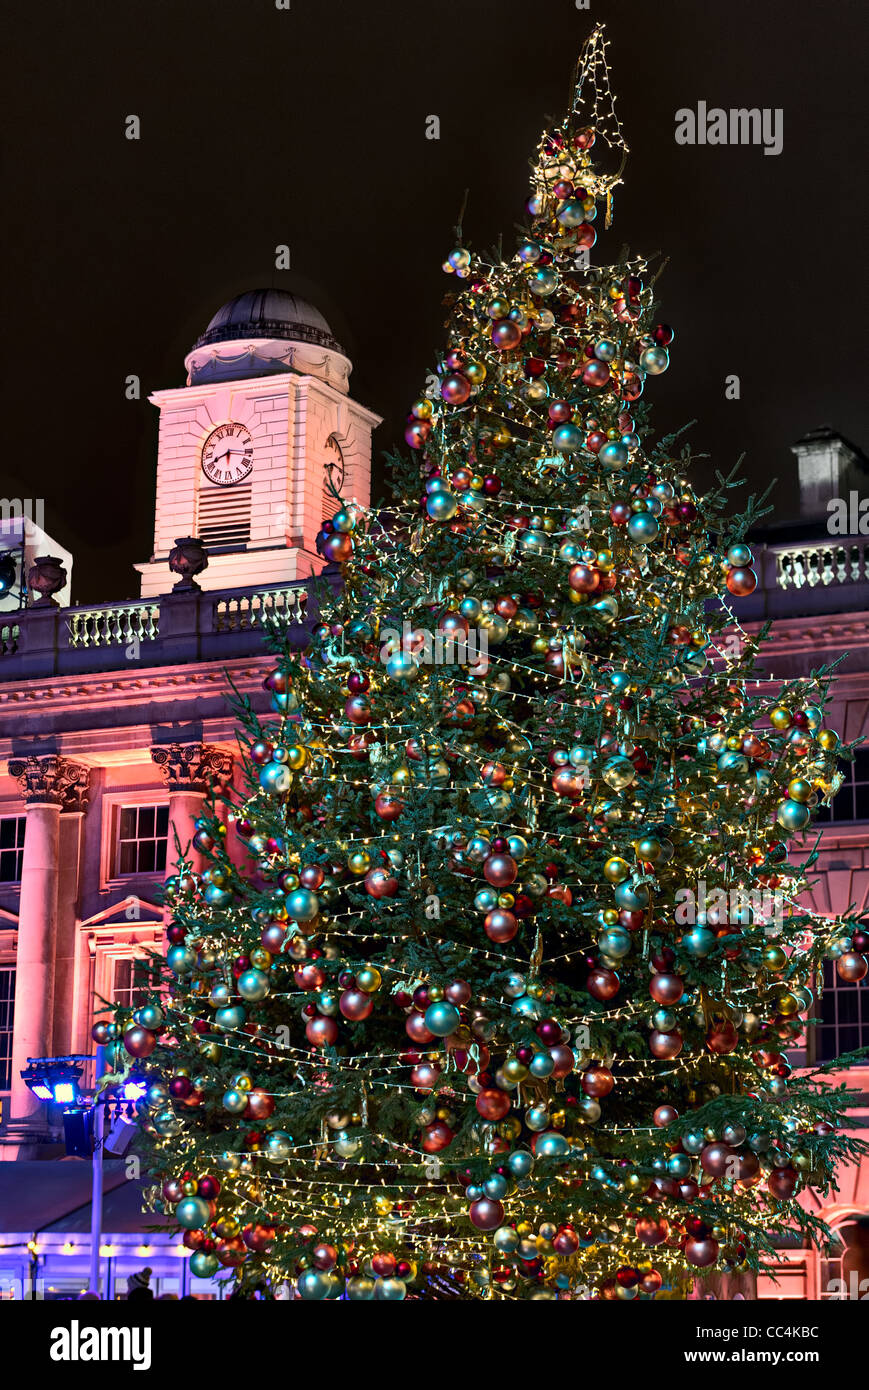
column 8, row 574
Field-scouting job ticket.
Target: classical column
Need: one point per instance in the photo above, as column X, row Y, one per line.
column 188, row 769
column 49, row 785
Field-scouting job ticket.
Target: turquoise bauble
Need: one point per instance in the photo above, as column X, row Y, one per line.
column 567, row 438
column 181, row 960
column 279, row 1146
column 633, row 897
column 571, row 213
column 699, row 942
column 793, row 815
column 149, row 1016
column 402, row 667
column 655, row 360
column 664, row 1020
column 551, row 1145
column 231, row 1018
column 615, row 942
column 442, row 1019
column 253, row 985
column 543, row 281
column 202, row 1265
column 642, row 527
column 506, row 1240
column 192, row 1213
column 694, row 1142
column 679, row 1165
column 520, row 1163
column 613, row 456
column 234, row 1101
column 496, row 1187
column 275, row 778
column 217, row 897
column 441, row 506
column 312, row 1285
column 303, row 905
column 541, row 1064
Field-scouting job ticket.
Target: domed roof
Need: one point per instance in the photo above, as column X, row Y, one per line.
column 269, row 314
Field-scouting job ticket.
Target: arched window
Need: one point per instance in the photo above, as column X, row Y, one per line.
column 845, row 1271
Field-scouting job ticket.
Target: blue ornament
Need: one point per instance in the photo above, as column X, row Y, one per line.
column 181, row 960
column 230, row 1019
column 253, row 985
column 275, row 778
column 192, row 1213
column 642, row 527
column 441, row 506
column 303, row 905
column 679, row 1165
column 632, row 897
column 613, row 455
column 732, row 765
column 551, row 1145
column 520, row 1163
column 699, row 942
column 541, row 1065
column 442, row 1019
column 217, row 897
column 312, row 1285
column 390, row 1290
column 567, row 438
column 496, row 1187
column 543, row 281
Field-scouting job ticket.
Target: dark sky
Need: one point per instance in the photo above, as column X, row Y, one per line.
column 307, row 127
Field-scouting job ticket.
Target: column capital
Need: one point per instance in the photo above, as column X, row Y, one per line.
column 53, row 780
column 191, row 767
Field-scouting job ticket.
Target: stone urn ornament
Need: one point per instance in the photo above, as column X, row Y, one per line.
column 188, row 558
column 46, row 577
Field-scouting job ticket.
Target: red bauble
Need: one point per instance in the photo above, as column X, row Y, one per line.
column 139, row 1042
column 383, row 1264
column 564, row 1060
column 500, row 926
column 358, row 710
column 324, row 1256
column 597, row 1081
column 380, row 883
column 602, row 984
column 414, row 1026
column 321, row 1031
column 436, row 1137
column 486, row 1215
column 260, row 1105
column 209, row 1188
column 651, row 1281
column 652, row 1231
column 355, row 1005
column 258, row 1238
column 583, row 579
column 722, row 1038
column 493, row 1104
column 852, row 966
column 741, row 580
column 665, row 1046
column 666, row 989
column 716, row 1158
column 231, row 1253
column 665, row 1115
column 782, row 1183
column 701, row 1253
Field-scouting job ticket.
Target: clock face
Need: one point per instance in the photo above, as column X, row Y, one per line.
column 227, row 454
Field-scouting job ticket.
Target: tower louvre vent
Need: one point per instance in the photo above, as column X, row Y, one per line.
column 224, row 516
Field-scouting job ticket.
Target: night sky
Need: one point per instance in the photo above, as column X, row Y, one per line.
column 307, row 127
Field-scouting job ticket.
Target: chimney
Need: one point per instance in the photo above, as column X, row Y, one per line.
column 829, row 466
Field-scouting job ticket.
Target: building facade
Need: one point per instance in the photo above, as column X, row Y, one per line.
column 113, row 718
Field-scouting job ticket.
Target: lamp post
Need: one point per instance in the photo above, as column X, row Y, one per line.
column 97, row 1179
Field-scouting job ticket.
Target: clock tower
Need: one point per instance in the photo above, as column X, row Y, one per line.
column 250, row 449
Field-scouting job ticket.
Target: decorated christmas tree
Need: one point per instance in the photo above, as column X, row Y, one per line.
column 498, row 1001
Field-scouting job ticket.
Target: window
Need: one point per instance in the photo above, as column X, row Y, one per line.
column 11, row 848
column 851, row 801
column 843, row 1016
column 7, row 1013
column 129, row 981
column 142, row 835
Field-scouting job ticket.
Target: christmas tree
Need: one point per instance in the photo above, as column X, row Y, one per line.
column 498, row 1003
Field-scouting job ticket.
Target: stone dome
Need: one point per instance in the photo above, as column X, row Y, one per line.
column 262, row 332
column 269, row 314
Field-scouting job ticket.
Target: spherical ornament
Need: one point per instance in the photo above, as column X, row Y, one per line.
column 181, row 960
column 275, row 778
column 666, row 989
column 551, row 1144
column 741, row 581
column 455, row 388
column 652, row 1230
column 542, row 1064
column 321, row 1032
column 597, row 1081
column 303, row 905
column 390, row 1290
column 655, row 360
column 782, row 1183
column 793, row 815
column 442, row 1019
column 203, row 1265
column 722, row 1038
column 715, row 1158
column 437, row 1136
column 253, row 985
column 619, row 773
column 852, row 967
column 701, row 1253
column 500, row 870
column 139, row 1042
column 486, row 1214
column 589, row 1110
column 665, row 1046
column 493, row 1104
column 614, row 456
column 506, row 335
column 355, row 1005
column 665, row 1115
column 234, row 1101
column 602, row 984
column 643, row 528
column 360, row 1289
column 193, row 1213
column 568, row 438
column 149, row 1016
column 231, row 1019
column 699, row 942
column 312, row 1285
column 381, row 883
column 500, row 926
column 346, row 1145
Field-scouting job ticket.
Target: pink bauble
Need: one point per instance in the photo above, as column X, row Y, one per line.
column 564, row 1060
column 414, row 1026
column 602, row 984
column 597, row 1081
column 665, row 1115
column 506, row 335
column 715, row 1158
column 139, row 1042
column 500, row 926
column 500, row 870
column 701, row 1253
column 358, row 710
